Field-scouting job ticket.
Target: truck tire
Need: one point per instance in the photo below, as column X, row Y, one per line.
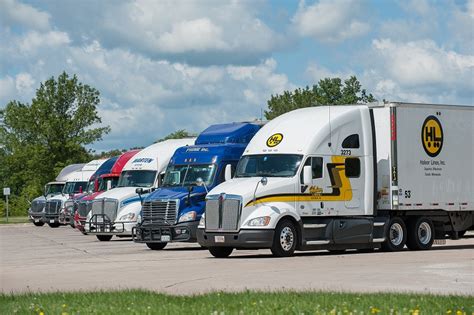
column 53, row 225
column 220, row 252
column 156, row 246
column 38, row 223
column 395, row 235
column 420, row 233
column 104, row 238
column 285, row 239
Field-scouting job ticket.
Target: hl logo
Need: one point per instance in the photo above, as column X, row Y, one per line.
column 274, row 140
column 432, row 136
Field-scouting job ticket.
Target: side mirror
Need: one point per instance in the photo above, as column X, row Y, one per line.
column 109, row 185
column 45, row 193
column 307, row 175
column 139, row 191
column 228, row 172
column 199, row 181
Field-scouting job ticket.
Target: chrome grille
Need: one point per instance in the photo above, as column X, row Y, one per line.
column 230, row 214
column 52, row 206
column 212, row 214
column 223, row 214
column 37, row 206
column 105, row 208
column 69, row 206
column 160, row 211
column 83, row 208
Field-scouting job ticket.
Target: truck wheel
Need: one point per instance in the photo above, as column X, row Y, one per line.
column 38, row 223
column 284, row 241
column 53, row 225
column 420, row 234
column 104, row 238
column 156, row 246
column 395, row 236
column 220, row 252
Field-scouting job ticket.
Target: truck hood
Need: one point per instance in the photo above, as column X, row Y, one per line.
column 245, row 187
column 119, row 193
column 92, row 196
column 175, row 193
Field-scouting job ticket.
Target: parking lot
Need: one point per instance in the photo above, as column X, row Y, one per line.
column 62, row 259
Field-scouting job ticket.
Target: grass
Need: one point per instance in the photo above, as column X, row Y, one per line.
column 3, row 220
column 249, row 302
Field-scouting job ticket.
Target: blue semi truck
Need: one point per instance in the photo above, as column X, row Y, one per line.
column 172, row 212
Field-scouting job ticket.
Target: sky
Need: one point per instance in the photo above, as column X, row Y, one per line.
column 163, row 65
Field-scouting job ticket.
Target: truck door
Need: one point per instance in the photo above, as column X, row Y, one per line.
column 310, row 202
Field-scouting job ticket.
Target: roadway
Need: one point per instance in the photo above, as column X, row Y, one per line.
column 62, row 259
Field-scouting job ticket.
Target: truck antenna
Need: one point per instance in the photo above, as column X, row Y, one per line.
column 330, row 130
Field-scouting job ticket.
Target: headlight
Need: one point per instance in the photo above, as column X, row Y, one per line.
column 260, row 221
column 128, row 217
column 139, row 218
column 202, row 222
column 188, row 216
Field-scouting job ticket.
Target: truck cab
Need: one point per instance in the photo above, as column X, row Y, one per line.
column 105, row 181
column 172, row 212
column 115, row 212
column 66, row 215
column 299, row 175
column 76, row 184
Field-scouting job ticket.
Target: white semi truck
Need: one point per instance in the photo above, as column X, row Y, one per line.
column 51, row 189
column 76, row 183
column 115, row 212
column 348, row 177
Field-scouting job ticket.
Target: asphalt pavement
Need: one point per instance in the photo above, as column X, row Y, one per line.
column 62, row 259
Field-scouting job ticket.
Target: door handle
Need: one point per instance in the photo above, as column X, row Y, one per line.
column 322, row 204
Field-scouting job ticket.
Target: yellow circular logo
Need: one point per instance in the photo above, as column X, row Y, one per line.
column 432, row 136
column 274, row 140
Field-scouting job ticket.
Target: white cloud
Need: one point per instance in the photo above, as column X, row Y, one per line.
column 195, row 35
column 33, row 40
column 24, row 82
column 14, row 12
column 421, row 63
column 144, row 99
column 194, row 32
column 419, row 71
column 330, row 21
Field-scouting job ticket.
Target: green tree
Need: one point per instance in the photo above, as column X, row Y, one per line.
column 329, row 91
column 40, row 138
column 178, row 134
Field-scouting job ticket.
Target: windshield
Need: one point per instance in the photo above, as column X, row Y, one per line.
column 137, row 179
column 54, row 188
column 74, row 187
column 186, row 175
column 90, row 187
column 103, row 182
column 269, row 165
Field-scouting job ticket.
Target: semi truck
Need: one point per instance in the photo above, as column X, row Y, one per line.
column 76, row 184
column 115, row 212
column 172, row 212
column 348, row 177
column 51, row 189
column 66, row 216
column 104, row 182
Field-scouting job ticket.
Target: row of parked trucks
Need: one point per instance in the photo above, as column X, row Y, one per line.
column 332, row 177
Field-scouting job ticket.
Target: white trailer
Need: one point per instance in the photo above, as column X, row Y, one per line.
column 116, row 211
column 348, row 177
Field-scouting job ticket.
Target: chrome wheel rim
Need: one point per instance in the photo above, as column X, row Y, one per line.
column 286, row 238
column 396, row 234
column 424, row 233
